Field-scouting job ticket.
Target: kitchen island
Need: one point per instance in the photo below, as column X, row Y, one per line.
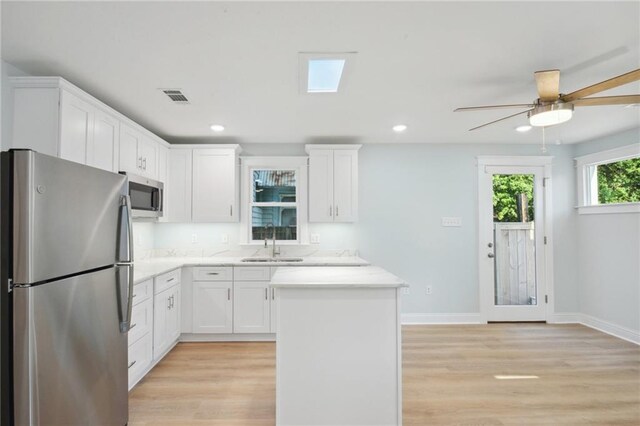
column 338, row 346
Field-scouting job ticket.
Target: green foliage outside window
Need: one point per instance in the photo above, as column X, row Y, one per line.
column 619, row 182
column 505, row 190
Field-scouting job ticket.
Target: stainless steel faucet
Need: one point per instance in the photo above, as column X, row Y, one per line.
column 274, row 250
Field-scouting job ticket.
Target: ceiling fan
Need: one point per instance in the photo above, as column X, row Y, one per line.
column 552, row 107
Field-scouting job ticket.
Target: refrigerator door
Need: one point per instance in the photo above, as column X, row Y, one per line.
column 66, row 217
column 70, row 356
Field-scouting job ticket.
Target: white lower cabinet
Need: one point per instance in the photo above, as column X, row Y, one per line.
column 251, row 307
column 212, row 307
column 140, row 334
column 166, row 313
column 236, row 300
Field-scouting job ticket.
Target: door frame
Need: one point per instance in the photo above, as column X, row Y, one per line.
column 484, row 296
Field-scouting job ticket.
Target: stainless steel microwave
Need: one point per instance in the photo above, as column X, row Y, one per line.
column 146, row 196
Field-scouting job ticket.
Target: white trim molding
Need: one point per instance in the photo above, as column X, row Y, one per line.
column 463, row 318
column 615, row 330
column 564, row 318
column 587, row 180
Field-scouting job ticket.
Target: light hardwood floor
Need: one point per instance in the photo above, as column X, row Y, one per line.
column 585, row 377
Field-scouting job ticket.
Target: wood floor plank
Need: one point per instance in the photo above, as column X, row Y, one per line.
column 585, row 378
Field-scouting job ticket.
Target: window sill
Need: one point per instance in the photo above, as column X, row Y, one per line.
column 610, row 208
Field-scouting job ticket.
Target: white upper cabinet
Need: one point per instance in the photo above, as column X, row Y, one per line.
column 138, row 152
column 54, row 117
column 215, row 185
column 178, row 187
column 163, row 171
column 103, row 150
column 76, row 127
column 333, row 183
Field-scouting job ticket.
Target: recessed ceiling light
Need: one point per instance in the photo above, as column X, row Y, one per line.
column 217, row 127
column 399, row 128
column 524, row 128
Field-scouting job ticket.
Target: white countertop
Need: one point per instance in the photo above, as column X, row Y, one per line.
column 335, row 276
column 149, row 268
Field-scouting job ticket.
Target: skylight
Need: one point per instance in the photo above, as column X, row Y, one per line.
column 324, row 75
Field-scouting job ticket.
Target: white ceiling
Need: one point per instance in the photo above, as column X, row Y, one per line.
column 237, row 63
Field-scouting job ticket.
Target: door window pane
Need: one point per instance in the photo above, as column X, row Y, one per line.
column 264, row 219
column 274, row 186
column 514, row 240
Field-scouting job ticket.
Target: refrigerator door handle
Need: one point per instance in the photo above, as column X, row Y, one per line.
column 125, row 296
column 125, row 242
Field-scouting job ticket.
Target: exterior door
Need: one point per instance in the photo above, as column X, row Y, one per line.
column 512, row 242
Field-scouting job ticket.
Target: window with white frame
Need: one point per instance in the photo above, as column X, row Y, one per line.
column 609, row 181
column 274, row 199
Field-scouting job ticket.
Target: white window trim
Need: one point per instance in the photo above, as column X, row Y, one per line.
column 300, row 165
column 586, row 179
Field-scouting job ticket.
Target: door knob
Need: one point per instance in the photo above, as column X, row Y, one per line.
column 490, row 245
column 491, row 255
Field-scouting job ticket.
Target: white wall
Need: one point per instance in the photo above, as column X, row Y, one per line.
column 6, row 107
column 609, row 257
column 405, row 190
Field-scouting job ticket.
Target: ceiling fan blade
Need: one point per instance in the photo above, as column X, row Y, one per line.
column 608, row 100
column 620, row 80
column 548, row 83
column 500, row 119
column 478, row 108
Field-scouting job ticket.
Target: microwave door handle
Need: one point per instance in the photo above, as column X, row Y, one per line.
column 125, row 245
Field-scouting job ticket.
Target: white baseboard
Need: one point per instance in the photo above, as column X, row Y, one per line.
column 465, row 318
column 615, row 330
column 564, row 318
column 557, row 318
column 239, row 337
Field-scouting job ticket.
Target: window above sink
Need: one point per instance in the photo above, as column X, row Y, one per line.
column 274, row 200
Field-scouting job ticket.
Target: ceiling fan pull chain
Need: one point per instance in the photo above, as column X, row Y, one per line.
column 544, row 140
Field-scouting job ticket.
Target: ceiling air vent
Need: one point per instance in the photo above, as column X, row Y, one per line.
column 176, row 96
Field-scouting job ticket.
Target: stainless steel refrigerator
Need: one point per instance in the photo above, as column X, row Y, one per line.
column 66, row 286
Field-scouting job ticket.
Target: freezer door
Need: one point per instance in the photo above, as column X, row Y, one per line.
column 66, row 217
column 70, row 356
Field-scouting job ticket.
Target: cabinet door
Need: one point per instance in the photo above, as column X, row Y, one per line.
column 214, row 185
column 163, row 165
column 273, row 310
column 212, row 307
column 345, row 192
column 321, row 207
column 160, row 318
column 102, row 151
column 251, row 307
column 130, row 161
column 148, row 151
column 173, row 324
column 178, row 190
column 76, row 127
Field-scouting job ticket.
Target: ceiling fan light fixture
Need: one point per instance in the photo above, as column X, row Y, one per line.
column 550, row 114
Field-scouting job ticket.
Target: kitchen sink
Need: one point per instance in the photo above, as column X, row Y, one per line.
column 272, row 259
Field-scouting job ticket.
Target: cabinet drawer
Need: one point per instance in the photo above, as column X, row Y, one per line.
column 139, row 358
column 252, row 273
column 167, row 280
column 142, row 291
column 141, row 320
column 212, row 273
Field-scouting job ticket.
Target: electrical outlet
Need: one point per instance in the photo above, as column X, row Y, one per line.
column 429, row 289
column 405, row 290
column 194, row 238
column 452, row 221
column 315, row 238
column 225, row 239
